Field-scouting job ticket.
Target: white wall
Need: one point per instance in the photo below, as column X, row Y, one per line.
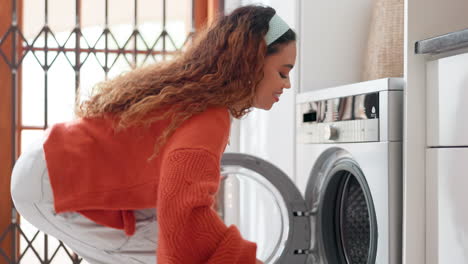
column 333, row 42
column 270, row 134
column 424, row 19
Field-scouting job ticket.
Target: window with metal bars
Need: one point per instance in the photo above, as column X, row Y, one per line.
column 50, row 49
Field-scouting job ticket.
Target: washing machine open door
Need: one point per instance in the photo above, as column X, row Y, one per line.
column 266, row 206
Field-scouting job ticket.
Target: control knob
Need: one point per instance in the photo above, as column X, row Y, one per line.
column 330, row 132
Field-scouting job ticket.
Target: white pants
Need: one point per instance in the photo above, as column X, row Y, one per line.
column 32, row 196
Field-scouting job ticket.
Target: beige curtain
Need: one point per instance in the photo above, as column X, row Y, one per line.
column 384, row 55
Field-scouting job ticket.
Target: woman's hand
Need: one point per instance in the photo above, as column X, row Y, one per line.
column 258, row 262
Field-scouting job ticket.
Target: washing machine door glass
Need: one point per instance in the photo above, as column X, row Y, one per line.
column 261, row 201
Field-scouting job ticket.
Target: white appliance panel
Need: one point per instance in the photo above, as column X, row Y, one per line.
column 447, row 206
column 447, row 107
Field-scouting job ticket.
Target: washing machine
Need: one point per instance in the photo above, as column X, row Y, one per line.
column 345, row 206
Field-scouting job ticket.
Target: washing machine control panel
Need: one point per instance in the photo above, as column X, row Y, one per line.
column 347, row 119
column 344, row 131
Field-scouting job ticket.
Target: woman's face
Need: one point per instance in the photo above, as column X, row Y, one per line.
column 275, row 76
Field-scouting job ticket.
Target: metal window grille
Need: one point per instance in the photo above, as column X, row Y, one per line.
column 77, row 50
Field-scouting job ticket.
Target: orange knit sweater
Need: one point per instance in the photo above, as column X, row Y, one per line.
column 105, row 175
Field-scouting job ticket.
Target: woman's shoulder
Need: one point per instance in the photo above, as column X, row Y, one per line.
column 212, row 122
column 217, row 116
column 207, row 130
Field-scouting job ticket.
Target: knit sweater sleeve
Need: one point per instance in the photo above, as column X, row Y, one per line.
column 190, row 231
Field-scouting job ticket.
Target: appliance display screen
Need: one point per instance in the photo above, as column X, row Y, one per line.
column 356, row 107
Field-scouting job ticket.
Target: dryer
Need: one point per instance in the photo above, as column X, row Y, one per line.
column 346, row 204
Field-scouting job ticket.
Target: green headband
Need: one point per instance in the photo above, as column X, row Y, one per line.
column 277, row 27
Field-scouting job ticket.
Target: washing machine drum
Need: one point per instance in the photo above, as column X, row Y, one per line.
column 334, row 224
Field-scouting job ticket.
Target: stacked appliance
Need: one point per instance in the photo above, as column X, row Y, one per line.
column 447, row 160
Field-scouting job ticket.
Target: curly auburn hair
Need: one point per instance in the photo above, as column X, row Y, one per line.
column 221, row 68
